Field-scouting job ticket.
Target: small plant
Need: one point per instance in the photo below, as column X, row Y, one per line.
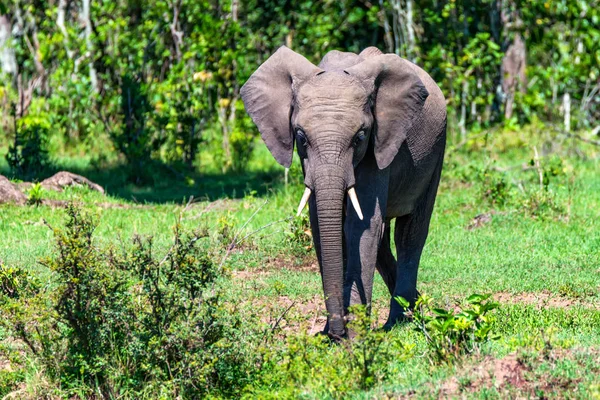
column 543, row 204
column 226, row 230
column 35, row 194
column 451, row 334
column 370, row 350
column 299, row 234
column 494, row 187
column 13, row 281
column 313, row 366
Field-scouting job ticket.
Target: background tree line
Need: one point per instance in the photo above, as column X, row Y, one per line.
column 158, row 80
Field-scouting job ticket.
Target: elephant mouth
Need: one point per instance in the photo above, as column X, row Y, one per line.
column 351, row 195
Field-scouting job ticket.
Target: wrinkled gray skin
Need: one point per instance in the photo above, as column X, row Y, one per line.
column 372, row 121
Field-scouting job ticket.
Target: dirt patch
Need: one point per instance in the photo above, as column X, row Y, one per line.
column 247, row 274
column 517, row 376
column 301, row 315
column 310, row 315
column 307, row 263
column 479, row 221
column 490, row 372
column 541, row 300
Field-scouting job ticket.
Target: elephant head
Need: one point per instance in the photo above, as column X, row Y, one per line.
column 333, row 113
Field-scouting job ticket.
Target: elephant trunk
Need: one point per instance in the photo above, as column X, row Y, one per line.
column 329, row 187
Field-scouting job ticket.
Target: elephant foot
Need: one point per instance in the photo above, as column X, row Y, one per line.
column 325, row 333
column 331, row 337
column 400, row 320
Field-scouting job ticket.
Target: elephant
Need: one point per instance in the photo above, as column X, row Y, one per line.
column 370, row 131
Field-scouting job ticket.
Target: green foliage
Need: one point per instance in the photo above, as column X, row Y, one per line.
column 35, row 194
column 299, row 235
column 370, row 351
column 547, row 282
column 226, row 230
column 119, row 322
column 494, row 187
column 160, row 81
column 243, row 138
column 15, row 282
column 28, row 155
column 314, row 365
column 449, row 333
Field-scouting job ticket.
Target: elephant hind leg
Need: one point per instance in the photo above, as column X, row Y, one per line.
column 386, row 263
column 410, row 235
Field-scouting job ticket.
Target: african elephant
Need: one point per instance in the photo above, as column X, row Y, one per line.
column 370, row 130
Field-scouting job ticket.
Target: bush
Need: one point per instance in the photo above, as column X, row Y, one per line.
column 313, row 367
column 28, row 155
column 450, row 334
column 494, row 187
column 299, row 235
column 243, row 139
column 116, row 323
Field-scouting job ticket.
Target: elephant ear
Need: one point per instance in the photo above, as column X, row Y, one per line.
column 399, row 96
column 268, row 95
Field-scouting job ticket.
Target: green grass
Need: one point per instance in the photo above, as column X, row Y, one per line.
column 543, row 262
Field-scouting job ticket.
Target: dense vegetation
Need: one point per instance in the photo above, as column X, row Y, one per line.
column 191, row 279
column 159, row 81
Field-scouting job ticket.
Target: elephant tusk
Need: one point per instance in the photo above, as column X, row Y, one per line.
column 303, row 202
column 354, row 200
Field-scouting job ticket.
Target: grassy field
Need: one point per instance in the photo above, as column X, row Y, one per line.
column 521, row 227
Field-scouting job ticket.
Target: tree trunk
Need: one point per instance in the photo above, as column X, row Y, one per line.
column 512, row 70
column 462, row 124
column 8, row 61
column 387, row 37
column 88, row 43
column 567, row 111
column 411, row 48
column 60, row 22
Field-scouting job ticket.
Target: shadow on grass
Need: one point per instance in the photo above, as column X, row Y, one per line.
column 164, row 184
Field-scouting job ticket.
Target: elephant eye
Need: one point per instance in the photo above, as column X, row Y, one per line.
column 359, row 138
column 301, row 137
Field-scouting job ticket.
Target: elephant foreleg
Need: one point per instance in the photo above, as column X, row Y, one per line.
column 386, row 263
column 364, row 236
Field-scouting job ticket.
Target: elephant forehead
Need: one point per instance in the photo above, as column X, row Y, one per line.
column 331, row 88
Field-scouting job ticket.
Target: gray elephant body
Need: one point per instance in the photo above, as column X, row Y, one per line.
column 371, row 123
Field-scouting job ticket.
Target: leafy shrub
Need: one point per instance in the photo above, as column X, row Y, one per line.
column 28, row 155
column 494, row 187
column 12, row 281
column 226, row 230
column 542, row 204
column 298, row 236
column 371, row 351
column 311, row 366
column 243, row 139
column 125, row 322
column 450, row 334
